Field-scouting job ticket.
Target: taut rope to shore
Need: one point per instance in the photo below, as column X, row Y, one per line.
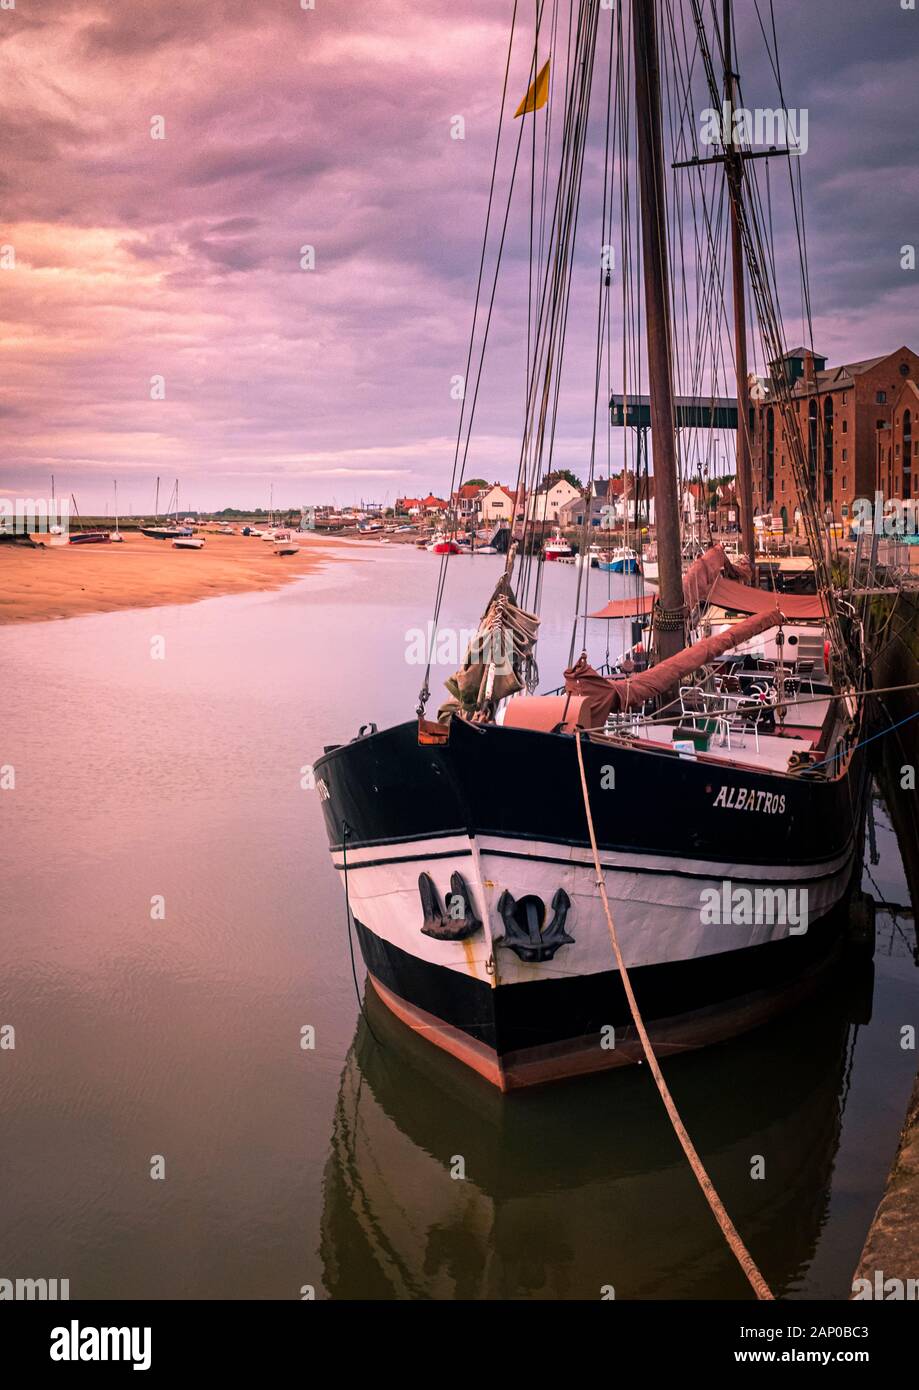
column 728, row 1229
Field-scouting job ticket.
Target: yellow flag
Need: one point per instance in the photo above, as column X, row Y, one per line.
column 538, row 94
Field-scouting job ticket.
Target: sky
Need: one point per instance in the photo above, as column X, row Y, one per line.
column 155, row 318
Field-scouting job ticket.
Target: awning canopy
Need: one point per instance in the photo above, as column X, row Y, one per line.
column 638, row 607
column 740, row 598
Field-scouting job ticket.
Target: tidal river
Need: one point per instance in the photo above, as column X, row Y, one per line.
column 171, row 925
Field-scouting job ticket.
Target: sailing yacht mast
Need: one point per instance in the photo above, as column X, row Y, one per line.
column 670, row 627
column 734, row 169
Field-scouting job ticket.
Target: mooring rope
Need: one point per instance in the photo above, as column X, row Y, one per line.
column 738, row 1249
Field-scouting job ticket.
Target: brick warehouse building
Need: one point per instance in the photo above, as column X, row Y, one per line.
column 860, row 425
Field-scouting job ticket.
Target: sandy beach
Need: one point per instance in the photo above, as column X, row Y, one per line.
column 63, row 581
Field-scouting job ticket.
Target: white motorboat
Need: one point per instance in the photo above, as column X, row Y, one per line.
column 188, row 543
column 591, row 556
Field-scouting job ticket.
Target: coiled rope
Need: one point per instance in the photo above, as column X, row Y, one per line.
column 729, row 1231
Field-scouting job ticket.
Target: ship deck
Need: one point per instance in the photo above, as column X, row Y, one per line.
column 741, row 746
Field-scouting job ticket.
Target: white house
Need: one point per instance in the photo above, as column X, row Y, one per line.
column 497, row 504
column 548, row 502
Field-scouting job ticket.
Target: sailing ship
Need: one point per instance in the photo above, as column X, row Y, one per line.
column 167, row 531
column 719, row 793
column 83, row 536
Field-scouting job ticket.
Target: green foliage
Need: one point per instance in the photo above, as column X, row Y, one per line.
column 557, row 474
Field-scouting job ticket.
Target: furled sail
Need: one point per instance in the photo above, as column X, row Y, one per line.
column 631, row 692
column 499, row 660
column 704, row 572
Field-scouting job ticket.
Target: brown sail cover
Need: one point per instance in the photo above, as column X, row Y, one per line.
column 705, row 572
column 701, row 575
column 615, row 696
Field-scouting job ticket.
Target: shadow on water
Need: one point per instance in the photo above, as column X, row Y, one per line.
column 572, row 1188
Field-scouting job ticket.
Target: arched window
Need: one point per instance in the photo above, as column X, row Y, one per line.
column 769, row 490
column 907, row 455
column 828, row 451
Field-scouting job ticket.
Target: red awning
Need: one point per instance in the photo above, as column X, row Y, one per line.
column 705, row 581
column 727, row 593
column 638, row 607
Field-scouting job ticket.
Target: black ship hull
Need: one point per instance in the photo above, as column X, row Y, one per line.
column 728, row 886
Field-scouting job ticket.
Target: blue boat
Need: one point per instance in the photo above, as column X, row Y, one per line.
column 621, row 561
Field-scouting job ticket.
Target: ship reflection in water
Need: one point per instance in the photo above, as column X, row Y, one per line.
column 575, row 1188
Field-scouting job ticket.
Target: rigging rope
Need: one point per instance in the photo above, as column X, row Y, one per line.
column 425, row 693
column 728, row 1229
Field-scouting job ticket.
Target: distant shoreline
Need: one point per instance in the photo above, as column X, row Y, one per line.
column 69, row 581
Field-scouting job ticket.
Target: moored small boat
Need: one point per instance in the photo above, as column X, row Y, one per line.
column 165, row 533
column 622, row 560
column 557, row 548
column 592, row 556
column 90, row 537
column 444, row 545
column 188, row 543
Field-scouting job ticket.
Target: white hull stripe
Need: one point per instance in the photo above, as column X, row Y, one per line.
column 548, row 853
column 658, row 914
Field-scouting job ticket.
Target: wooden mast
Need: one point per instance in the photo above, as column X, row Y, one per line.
column 734, row 168
column 671, row 630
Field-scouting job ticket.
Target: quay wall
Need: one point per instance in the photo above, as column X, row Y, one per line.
column 892, row 1245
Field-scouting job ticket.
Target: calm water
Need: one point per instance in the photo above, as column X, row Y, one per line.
column 137, row 1036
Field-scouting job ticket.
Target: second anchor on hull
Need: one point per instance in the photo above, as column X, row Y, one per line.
column 523, row 919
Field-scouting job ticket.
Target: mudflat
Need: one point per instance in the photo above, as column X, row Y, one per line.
column 63, row 581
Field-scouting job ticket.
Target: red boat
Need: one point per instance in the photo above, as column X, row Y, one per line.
column 444, row 545
column 557, row 547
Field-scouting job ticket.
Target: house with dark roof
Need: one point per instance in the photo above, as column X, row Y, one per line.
column 465, row 501
column 609, row 502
